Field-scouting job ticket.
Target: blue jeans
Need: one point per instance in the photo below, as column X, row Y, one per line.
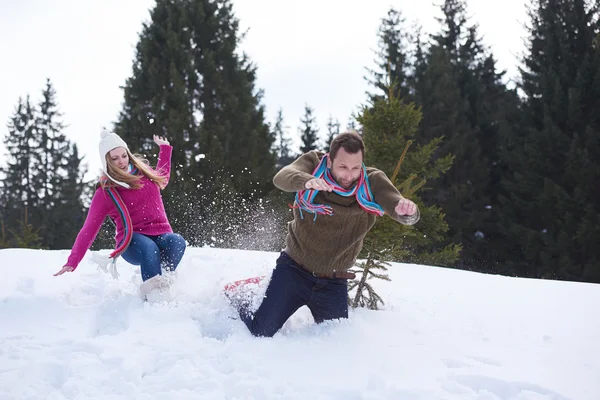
column 153, row 252
column 290, row 288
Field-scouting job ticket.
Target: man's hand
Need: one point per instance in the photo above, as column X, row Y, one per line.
column 406, row 207
column 318, row 184
column 64, row 269
column 160, row 140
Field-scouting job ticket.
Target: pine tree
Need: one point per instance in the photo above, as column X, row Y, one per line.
column 333, row 129
column 50, row 147
column 308, row 131
column 453, row 58
column 283, row 142
column 17, row 185
column 58, row 179
column 159, row 99
column 462, row 97
column 190, row 84
column 4, row 241
column 68, row 213
column 26, row 236
column 417, row 80
column 390, row 127
column 393, row 56
column 498, row 115
column 39, row 176
column 230, row 103
column 459, row 191
column 365, row 295
column 351, row 125
column 552, row 206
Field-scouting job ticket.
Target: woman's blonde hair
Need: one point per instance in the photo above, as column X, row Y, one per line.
column 133, row 180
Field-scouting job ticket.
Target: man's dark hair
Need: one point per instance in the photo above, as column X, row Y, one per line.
column 351, row 142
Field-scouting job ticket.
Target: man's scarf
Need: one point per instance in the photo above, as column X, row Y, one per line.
column 362, row 191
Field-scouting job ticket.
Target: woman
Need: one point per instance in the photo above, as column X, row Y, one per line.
column 129, row 193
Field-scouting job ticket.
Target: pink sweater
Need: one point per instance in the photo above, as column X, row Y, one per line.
column 145, row 207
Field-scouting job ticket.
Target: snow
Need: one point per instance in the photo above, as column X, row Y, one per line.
column 443, row 334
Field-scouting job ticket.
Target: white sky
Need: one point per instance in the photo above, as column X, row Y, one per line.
column 312, row 52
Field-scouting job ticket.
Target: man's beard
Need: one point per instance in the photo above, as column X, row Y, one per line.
column 349, row 185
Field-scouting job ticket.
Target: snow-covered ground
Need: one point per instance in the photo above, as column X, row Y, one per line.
column 444, row 334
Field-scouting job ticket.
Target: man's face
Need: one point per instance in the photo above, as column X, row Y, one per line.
column 346, row 168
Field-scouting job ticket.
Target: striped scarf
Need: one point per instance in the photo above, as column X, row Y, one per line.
column 124, row 214
column 362, row 191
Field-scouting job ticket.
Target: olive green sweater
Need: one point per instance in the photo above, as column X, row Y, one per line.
column 333, row 242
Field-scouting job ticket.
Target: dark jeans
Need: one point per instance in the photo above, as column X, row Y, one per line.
column 291, row 288
column 154, row 252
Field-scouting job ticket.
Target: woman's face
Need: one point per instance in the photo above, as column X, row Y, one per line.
column 119, row 158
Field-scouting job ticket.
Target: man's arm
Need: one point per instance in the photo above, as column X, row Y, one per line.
column 293, row 177
column 387, row 196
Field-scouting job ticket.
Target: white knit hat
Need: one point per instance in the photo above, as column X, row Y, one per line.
column 109, row 141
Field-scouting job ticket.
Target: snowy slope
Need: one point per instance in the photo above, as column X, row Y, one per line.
column 444, row 334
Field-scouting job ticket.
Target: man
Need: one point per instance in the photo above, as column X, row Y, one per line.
column 345, row 198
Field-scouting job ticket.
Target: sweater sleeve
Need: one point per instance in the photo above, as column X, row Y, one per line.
column 387, row 196
column 98, row 211
column 163, row 166
column 294, row 176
